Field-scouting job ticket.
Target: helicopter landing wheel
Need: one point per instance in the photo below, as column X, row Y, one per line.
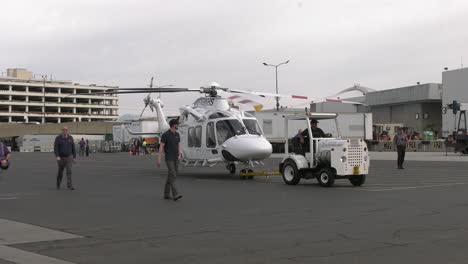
column 242, row 176
column 250, row 177
column 231, row 168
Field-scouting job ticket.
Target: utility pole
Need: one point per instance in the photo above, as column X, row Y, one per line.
column 276, row 78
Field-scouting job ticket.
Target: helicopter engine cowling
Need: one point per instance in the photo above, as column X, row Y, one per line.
column 246, row 148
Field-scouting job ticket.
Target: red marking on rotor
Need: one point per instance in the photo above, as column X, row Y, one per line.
column 299, row 97
column 334, row 100
column 233, row 97
column 246, row 101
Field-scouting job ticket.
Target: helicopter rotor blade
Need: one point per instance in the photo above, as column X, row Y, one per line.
column 262, row 94
column 155, row 89
column 146, row 90
column 333, row 100
column 144, row 108
column 314, row 99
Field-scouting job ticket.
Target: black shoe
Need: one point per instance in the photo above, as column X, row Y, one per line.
column 71, row 188
column 167, row 198
column 177, row 197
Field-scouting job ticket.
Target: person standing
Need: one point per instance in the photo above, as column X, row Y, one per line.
column 64, row 148
column 316, row 133
column 4, row 157
column 82, row 147
column 87, row 148
column 400, row 141
column 296, row 142
column 170, row 146
column 137, row 147
column 144, row 146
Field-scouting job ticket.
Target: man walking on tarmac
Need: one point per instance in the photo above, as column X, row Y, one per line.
column 64, row 148
column 400, row 140
column 170, row 145
column 82, row 147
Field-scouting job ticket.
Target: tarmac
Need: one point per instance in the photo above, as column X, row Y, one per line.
column 117, row 214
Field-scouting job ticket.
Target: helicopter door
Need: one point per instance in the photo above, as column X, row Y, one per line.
column 212, row 152
column 194, row 143
column 210, row 135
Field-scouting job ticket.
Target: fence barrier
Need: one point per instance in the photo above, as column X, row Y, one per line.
column 412, row 146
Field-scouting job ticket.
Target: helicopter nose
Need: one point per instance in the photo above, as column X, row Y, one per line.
column 245, row 148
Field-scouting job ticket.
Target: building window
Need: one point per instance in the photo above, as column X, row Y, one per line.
column 426, row 115
column 267, row 126
column 417, row 116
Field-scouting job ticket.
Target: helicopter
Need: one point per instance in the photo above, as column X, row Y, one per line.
column 212, row 130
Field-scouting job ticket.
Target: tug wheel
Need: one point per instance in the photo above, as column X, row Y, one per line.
column 357, row 180
column 290, row 173
column 326, row 177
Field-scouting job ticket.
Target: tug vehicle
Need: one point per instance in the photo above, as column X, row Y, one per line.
column 325, row 159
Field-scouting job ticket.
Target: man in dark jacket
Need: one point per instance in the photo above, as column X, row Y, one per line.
column 400, row 141
column 64, row 148
column 316, row 133
column 170, row 146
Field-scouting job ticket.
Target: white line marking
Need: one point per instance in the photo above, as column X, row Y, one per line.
column 415, row 187
column 24, row 257
column 8, row 198
column 12, row 232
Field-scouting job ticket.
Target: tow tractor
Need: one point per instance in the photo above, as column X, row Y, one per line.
column 326, row 159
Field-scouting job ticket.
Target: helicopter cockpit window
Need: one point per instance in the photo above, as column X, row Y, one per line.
column 210, row 135
column 225, row 129
column 252, row 126
column 217, row 115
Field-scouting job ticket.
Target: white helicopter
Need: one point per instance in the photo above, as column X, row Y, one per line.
column 212, row 130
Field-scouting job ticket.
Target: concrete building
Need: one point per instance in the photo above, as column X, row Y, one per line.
column 24, row 98
column 417, row 107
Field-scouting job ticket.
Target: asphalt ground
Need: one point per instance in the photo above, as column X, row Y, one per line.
column 416, row 215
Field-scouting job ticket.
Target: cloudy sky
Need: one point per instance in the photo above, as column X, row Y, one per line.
column 331, row 45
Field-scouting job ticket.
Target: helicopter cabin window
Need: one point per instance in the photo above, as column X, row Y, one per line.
column 210, row 135
column 198, row 135
column 252, row 126
column 217, row 115
column 191, row 137
column 225, row 129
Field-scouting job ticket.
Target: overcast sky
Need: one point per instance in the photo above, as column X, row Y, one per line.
column 331, row 45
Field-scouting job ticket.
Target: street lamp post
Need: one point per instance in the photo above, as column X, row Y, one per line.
column 276, row 76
